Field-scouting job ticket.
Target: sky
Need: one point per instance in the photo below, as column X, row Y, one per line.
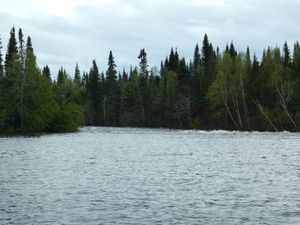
column 66, row 32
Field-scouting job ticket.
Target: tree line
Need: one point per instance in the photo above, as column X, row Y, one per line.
column 215, row 90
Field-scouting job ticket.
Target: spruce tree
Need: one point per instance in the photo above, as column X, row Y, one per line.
column 176, row 60
column 94, row 85
column 208, row 62
column 21, row 48
column 62, row 76
column 287, row 61
column 2, row 102
column 1, row 61
column 172, row 62
column 232, row 51
column 29, row 44
column 205, row 52
column 12, row 48
column 197, row 57
column 143, row 88
column 112, row 99
column 13, row 82
column 77, row 78
column 111, row 73
column 143, row 63
column 47, row 74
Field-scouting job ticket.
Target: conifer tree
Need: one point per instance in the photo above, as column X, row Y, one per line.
column 287, row 61
column 62, row 76
column 12, row 48
column 232, row 51
column 2, row 102
column 111, row 73
column 142, row 86
column 1, row 61
column 93, row 85
column 77, row 78
column 143, row 63
column 47, row 74
column 208, row 61
column 13, row 82
column 172, row 62
column 111, row 101
column 21, row 48
column 205, row 52
column 197, row 57
column 38, row 106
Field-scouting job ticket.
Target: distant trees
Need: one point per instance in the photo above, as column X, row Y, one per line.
column 215, row 90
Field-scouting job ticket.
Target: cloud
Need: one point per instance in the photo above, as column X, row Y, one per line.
column 62, row 8
column 65, row 32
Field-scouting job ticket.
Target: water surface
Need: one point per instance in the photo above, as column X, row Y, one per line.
column 150, row 176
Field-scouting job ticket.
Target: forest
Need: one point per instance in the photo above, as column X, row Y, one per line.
column 226, row 90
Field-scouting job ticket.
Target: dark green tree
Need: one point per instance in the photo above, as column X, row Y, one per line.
column 62, row 76
column 21, row 48
column 1, row 61
column 77, row 78
column 111, row 73
column 197, row 57
column 93, row 96
column 143, row 63
column 111, row 99
column 232, row 51
column 287, row 61
column 12, row 48
column 47, row 74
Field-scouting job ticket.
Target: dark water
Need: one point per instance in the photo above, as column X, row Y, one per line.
column 144, row 176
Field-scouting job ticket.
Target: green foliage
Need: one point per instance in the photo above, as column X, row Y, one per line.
column 215, row 90
column 30, row 103
column 196, row 123
column 46, row 73
column 67, row 119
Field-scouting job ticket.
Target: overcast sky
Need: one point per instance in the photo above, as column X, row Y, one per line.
column 68, row 31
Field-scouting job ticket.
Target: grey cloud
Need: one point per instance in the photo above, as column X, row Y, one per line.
column 155, row 25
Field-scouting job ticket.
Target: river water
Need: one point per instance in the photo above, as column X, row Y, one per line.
column 150, row 176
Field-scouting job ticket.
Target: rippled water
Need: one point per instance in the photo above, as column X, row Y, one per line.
column 150, row 176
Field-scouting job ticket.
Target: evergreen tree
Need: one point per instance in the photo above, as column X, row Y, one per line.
column 111, row 101
column 62, row 76
column 21, row 48
column 232, row 51
column 142, row 86
column 287, row 61
column 2, row 101
column 206, row 54
column 47, row 74
column 183, row 73
column 208, row 62
column 111, row 73
column 13, row 83
column 1, row 61
column 93, row 93
column 197, row 57
column 143, row 63
column 12, row 48
column 38, row 105
column 77, row 78
column 173, row 61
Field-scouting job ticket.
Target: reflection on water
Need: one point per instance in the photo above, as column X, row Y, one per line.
column 150, row 176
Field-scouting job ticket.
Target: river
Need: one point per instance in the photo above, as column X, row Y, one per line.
column 150, row 176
